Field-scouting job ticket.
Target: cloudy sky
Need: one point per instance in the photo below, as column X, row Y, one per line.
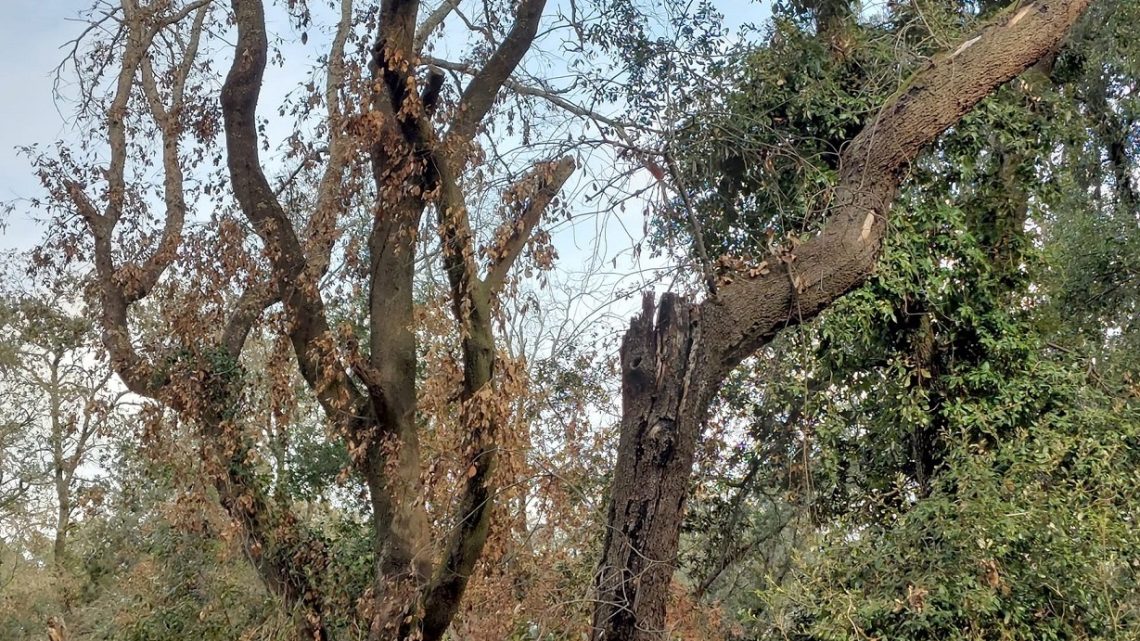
column 32, row 33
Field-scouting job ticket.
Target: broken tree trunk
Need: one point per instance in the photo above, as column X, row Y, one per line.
column 673, row 362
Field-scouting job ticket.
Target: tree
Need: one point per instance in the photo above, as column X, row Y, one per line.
column 388, row 143
column 368, row 392
column 59, row 398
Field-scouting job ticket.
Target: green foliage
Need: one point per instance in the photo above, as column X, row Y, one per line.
column 955, row 463
column 313, row 464
column 1031, row 538
column 942, row 322
column 761, row 159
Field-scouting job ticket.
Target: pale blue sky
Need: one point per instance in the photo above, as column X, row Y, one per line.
column 32, row 33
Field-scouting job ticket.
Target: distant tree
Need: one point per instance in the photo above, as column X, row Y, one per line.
column 18, row 472
column 60, row 401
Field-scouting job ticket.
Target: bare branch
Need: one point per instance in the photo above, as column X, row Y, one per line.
column 178, row 16
column 182, row 73
column 524, row 89
column 311, row 157
column 320, row 233
column 694, row 222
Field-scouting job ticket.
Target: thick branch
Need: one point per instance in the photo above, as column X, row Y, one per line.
column 471, row 300
column 393, row 55
column 393, row 473
column 471, row 304
column 432, row 22
column 257, row 296
column 181, row 14
column 480, row 417
column 549, row 177
column 398, row 26
column 116, row 333
column 749, row 311
column 138, row 39
column 485, row 85
column 297, row 284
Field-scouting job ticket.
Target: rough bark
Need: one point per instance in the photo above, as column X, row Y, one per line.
column 662, row 412
column 672, row 366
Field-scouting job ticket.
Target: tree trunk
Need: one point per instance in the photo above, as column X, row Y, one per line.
column 661, row 421
column 61, row 476
column 63, row 520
